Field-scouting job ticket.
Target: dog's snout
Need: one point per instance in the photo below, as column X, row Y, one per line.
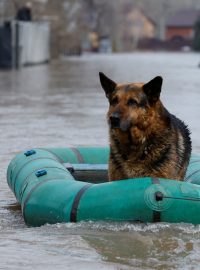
column 115, row 120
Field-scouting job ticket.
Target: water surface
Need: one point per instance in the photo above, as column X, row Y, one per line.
column 62, row 104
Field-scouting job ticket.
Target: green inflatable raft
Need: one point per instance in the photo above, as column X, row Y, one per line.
column 70, row 185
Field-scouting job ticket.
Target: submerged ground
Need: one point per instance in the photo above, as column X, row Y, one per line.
column 62, row 104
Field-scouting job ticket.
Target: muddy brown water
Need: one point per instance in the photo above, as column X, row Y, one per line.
column 62, row 104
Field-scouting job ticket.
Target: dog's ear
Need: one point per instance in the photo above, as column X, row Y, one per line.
column 153, row 88
column 107, row 84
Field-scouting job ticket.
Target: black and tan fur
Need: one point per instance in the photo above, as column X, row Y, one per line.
column 145, row 139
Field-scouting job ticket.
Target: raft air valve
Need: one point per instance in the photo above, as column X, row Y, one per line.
column 158, row 196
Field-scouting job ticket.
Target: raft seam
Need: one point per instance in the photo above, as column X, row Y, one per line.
column 194, row 161
column 188, row 177
column 156, row 214
column 32, row 190
column 155, row 180
column 25, row 180
column 14, row 182
column 77, row 154
column 74, row 209
column 51, row 152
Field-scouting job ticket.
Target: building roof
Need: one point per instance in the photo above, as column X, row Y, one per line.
column 184, row 18
column 129, row 7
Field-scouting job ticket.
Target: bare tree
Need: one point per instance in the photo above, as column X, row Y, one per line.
column 99, row 15
column 72, row 20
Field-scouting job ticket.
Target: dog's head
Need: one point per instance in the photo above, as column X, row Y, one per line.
column 132, row 104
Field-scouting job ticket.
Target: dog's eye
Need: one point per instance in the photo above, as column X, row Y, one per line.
column 131, row 102
column 114, row 101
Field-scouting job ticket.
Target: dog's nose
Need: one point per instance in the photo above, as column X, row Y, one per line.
column 115, row 120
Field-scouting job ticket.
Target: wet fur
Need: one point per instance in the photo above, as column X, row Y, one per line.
column 145, row 139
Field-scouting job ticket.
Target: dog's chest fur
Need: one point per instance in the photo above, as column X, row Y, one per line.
column 163, row 154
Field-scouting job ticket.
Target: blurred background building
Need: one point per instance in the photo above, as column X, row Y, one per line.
column 78, row 26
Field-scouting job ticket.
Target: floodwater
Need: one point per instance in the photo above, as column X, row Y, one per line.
column 62, row 104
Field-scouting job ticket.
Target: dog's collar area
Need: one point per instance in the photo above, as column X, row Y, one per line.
column 145, row 150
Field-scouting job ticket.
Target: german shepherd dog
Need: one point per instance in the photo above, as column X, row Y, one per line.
column 145, row 139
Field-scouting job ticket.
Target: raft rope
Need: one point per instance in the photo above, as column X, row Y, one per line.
column 159, row 196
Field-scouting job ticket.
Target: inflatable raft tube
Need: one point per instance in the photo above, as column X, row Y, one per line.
column 46, row 183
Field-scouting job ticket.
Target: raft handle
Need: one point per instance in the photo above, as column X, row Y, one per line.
column 29, row 153
column 41, row 173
